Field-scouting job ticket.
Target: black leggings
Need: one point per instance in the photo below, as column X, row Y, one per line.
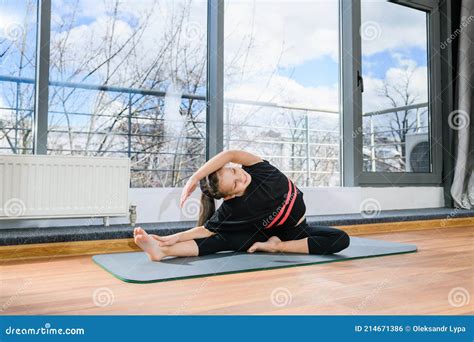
column 321, row 239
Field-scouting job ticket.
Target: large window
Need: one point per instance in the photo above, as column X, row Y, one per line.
column 281, row 86
column 396, row 115
column 17, row 73
column 128, row 78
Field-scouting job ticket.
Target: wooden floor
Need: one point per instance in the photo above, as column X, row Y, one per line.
column 415, row 284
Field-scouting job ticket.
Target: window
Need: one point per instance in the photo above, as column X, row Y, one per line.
column 281, row 86
column 17, row 75
column 395, row 113
column 128, row 78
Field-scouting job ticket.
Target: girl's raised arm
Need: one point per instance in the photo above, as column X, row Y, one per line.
column 214, row 164
column 244, row 158
column 224, row 157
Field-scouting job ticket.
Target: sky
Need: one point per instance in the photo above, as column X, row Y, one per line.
column 299, row 40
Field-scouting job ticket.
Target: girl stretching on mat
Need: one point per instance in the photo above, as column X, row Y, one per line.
column 262, row 210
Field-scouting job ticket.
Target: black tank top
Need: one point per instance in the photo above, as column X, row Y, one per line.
column 271, row 201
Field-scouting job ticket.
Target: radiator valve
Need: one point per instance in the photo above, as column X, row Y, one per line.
column 133, row 214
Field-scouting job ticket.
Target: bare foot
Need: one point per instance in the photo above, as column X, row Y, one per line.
column 149, row 245
column 271, row 245
column 138, row 230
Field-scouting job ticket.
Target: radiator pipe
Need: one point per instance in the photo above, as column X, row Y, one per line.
column 133, row 214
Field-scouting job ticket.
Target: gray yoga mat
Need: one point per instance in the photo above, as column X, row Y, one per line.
column 135, row 267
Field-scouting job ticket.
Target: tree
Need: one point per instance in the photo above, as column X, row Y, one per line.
column 392, row 131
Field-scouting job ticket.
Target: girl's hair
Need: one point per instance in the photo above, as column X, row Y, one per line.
column 210, row 191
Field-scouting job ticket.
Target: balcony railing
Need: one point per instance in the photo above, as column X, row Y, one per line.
column 305, row 141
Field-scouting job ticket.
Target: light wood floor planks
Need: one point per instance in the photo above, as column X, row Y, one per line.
column 407, row 284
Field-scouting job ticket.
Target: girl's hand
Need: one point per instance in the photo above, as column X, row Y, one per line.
column 168, row 240
column 188, row 189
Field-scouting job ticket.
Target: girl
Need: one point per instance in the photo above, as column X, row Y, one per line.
column 262, row 210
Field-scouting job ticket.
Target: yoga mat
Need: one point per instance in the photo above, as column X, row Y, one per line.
column 135, row 267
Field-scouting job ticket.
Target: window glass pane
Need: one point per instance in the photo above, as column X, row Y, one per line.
column 17, row 74
column 396, row 117
column 281, row 85
column 128, row 78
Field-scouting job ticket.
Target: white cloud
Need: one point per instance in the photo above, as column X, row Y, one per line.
column 396, row 77
column 286, row 91
column 398, row 27
column 289, row 33
column 284, row 33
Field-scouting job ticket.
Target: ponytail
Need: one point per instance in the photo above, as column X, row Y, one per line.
column 210, row 190
column 208, row 207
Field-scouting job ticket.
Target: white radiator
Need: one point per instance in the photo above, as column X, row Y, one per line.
column 44, row 186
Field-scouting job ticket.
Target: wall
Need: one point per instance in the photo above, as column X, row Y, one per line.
column 161, row 204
